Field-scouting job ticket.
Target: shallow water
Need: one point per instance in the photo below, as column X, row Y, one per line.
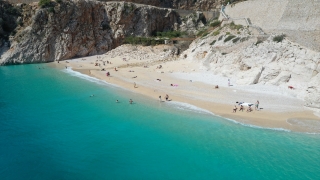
column 51, row 129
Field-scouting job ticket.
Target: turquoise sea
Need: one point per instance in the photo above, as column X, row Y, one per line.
column 50, row 128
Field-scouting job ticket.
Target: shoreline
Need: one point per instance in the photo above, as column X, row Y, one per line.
column 186, row 92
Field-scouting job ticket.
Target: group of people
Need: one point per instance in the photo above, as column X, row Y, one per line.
column 130, row 101
column 167, row 98
column 249, row 109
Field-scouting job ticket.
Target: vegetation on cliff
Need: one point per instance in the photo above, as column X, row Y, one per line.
column 8, row 20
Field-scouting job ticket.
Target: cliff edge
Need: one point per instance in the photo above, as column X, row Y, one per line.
column 81, row 28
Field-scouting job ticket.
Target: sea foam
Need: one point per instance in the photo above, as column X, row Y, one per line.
column 87, row 77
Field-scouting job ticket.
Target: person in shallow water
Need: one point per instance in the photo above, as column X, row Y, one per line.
column 130, row 101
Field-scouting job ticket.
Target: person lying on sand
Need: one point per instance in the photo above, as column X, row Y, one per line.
column 158, row 79
column 134, row 76
column 131, row 71
column 175, row 85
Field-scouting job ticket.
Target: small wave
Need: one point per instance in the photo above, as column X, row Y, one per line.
column 255, row 126
column 189, row 107
column 87, row 77
column 192, row 108
column 310, row 124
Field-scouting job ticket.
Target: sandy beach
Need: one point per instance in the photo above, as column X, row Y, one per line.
column 186, row 81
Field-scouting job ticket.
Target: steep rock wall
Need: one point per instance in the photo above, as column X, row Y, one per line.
column 299, row 20
column 203, row 5
column 82, row 27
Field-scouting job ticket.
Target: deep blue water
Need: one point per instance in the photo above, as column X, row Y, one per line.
column 51, row 129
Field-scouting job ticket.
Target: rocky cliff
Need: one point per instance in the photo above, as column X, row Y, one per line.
column 248, row 60
column 82, row 27
column 8, row 21
column 203, row 5
column 299, row 20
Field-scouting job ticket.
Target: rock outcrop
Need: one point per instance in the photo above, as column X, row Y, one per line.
column 8, row 21
column 299, row 20
column 202, row 5
column 249, row 60
column 81, row 28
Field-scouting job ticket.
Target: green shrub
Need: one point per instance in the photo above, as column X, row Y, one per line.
column 215, row 23
column 227, row 33
column 142, row 40
column 235, row 39
column 229, row 38
column 220, row 38
column 212, row 43
column 169, row 34
column 12, row 10
column 51, row 9
column 278, row 38
column 204, row 34
column 244, row 39
column 105, row 27
column 215, row 33
column 44, row 3
column 201, row 32
column 59, row 1
column 234, row 26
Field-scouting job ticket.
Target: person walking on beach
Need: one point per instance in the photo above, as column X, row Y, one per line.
column 167, row 97
column 134, row 85
column 130, row 101
column 160, row 98
column 257, row 105
column 228, row 82
column 241, row 108
column 235, row 109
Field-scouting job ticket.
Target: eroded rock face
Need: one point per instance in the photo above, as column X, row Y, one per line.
column 180, row 4
column 81, row 28
column 283, row 64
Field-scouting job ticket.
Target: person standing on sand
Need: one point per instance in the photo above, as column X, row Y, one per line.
column 241, row 108
column 257, row 105
column 235, row 109
column 167, row 97
column 134, row 85
column 160, row 98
